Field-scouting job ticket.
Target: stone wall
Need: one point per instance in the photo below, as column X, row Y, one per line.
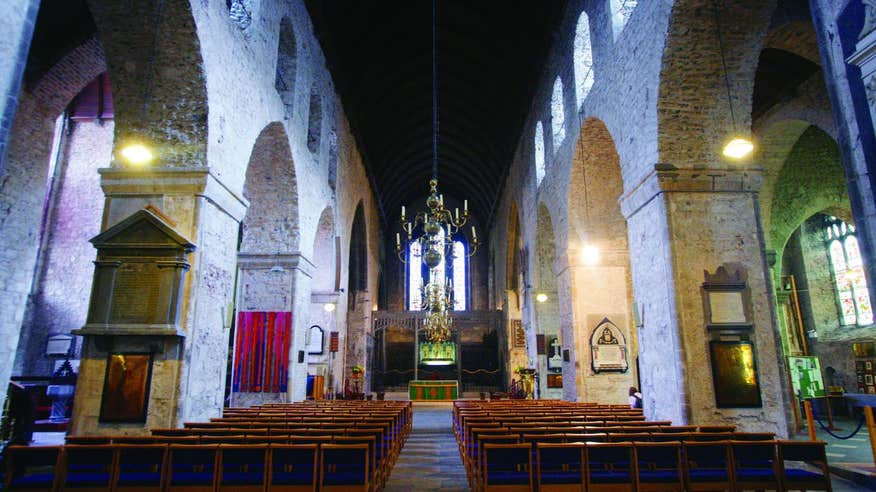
column 72, row 218
column 17, row 20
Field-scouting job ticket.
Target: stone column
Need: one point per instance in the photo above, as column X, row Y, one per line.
column 188, row 379
column 272, row 282
column 861, row 188
column 597, row 292
column 17, row 20
column 682, row 223
column 358, row 330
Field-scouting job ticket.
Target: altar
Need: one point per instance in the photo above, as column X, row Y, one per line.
column 436, row 390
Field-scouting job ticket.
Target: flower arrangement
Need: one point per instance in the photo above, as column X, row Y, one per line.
column 357, row 370
column 518, row 369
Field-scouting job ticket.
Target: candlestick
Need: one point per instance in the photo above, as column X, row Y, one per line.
column 457, row 214
column 465, row 205
column 403, row 212
column 474, row 233
column 397, row 240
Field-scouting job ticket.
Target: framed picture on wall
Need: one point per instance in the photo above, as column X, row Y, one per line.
column 126, row 388
column 734, row 374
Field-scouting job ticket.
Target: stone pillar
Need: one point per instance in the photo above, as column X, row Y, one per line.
column 358, row 331
column 598, row 292
column 17, row 20
column 861, row 185
column 188, row 382
column 272, row 282
column 681, row 223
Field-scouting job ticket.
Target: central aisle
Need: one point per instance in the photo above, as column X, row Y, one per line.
column 430, row 459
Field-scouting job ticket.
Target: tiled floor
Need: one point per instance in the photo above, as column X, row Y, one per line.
column 847, row 456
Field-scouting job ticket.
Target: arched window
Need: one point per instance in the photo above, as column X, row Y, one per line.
column 583, row 59
column 539, row 153
column 314, row 126
column 456, row 273
column 284, row 80
column 415, row 277
column 558, row 115
column 460, row 299
column 850, row 282
column 621, row 10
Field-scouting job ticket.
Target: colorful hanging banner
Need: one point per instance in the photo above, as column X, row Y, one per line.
column 261, row 356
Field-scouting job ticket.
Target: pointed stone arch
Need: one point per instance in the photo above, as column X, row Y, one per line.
column 695, row 133
column 271, row 222
column 598, row 263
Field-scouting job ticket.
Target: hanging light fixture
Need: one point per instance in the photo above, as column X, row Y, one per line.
column 439, row 227
column 739, row 146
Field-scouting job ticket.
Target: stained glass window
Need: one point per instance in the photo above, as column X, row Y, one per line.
column 459, row 291
column 848, row 273
column 415, row 278
column 456, row 272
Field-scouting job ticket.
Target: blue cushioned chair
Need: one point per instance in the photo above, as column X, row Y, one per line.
column 559, row 467
column 658, row 466
column 242, row 467
column 795, row 474
column 755, row 465
column 293, row 467
column 191, row 467
column 32, row 468
column 507, row 467
column 344, row 467
column 609, row 466
column 140, row 467
column 88, row 468
column 707, row 465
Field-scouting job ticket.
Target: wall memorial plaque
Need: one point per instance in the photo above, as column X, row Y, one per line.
column 734, row 374
column 126, row 388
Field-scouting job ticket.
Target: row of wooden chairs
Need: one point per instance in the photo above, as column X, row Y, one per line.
column 189, row 468
column 652, row 466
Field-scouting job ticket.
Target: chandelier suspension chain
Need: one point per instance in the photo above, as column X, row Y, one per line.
column 724, row 61
column 434, row 96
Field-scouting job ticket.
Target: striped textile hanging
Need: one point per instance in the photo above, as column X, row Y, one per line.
column 261, row 354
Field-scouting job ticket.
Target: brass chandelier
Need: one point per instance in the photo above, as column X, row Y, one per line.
column 439, row 227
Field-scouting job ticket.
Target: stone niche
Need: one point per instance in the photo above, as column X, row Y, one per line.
column 138, row 279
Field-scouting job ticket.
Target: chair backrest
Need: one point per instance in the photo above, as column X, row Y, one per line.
column 32, row 467
column 88, row 465
column 708, row 461
column 794, row 476
column 629, row 437
column 344, row 466
column 191, row 464
column 754, row 436
column 507, row 464
column 87, row 439
column 242, row 464
column 609, row 462
column 659, row 462
column 557, row 463
column 140, row 465
column 293, row 465
column 711, row 436
column 755, row 461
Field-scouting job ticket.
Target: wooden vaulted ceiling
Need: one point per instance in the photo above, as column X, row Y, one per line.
column 490, row 54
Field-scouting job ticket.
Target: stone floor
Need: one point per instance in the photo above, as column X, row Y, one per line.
column 850, row 458
column 430, row 459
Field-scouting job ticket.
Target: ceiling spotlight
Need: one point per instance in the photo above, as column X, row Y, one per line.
column 590, row 254
column 738, row 148
column 329, row 307
column 137, row 154
column 542, row 297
